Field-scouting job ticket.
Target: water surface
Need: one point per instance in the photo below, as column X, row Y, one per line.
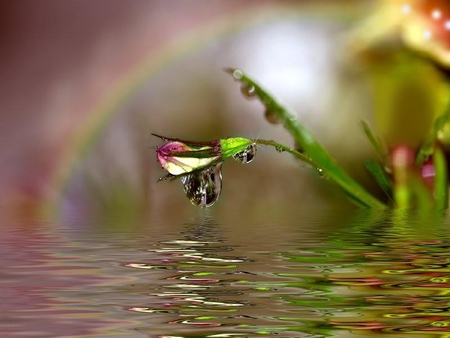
column 316, row 274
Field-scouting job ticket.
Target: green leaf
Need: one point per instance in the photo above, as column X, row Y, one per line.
column 310, row 146
column 380, row 175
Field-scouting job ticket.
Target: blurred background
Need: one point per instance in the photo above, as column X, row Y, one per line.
column 85, row 83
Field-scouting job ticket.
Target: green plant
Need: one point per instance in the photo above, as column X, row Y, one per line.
column 408, row 178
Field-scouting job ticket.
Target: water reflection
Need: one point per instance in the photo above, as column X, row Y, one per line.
column 201, row 289
column 349, row 282
column 322, row 276
column 43, row 284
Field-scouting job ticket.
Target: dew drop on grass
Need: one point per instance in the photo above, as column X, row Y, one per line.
column 298, row 147
column 237, row 74
column 203, row 188
column 248, row 91
column 267, row 100
column 320, row 172
column 271, row 117
column 247, row 155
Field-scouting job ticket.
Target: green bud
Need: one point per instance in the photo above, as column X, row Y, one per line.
column 234, row 145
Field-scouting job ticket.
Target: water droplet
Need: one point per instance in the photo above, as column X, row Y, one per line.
column 267, row 100
column 293, row 118
column 237, row 74
column 271, row 117
column 203, row 188
column 247, row 155
column 279, row 149
column 320, row 172
column 248, row 91
column 298, row 147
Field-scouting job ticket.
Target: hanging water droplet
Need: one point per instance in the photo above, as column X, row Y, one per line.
column 203, row 188
column 248, row 91
column 320, row 172
column 271, row 117
column 298, row 147
column 279, row 149
column 247, row 155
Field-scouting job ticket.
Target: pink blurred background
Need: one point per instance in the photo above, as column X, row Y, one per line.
column 83, row 85
column 70, row 112
column 60, row 58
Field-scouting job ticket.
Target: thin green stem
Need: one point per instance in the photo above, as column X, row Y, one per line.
column 281, row 147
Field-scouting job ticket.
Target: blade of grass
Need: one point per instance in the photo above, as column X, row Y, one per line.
column 380, row 175
column 374, row 140
column 310, row 146
column 426, row 150
column 423, row 196
column 441, row 179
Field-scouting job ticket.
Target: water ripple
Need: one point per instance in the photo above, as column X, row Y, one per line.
column 358, row 284
column 368, row 277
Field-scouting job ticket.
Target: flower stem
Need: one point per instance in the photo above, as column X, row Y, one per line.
column 281, row 147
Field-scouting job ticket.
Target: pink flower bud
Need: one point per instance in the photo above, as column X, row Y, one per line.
column 180, row 157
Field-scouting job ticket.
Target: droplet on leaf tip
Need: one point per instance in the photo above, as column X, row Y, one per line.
column 237, row 74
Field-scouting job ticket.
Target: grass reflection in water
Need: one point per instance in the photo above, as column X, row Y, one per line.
column 378, row 278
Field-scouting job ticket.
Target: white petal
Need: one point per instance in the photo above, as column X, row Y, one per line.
column 183, row 165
